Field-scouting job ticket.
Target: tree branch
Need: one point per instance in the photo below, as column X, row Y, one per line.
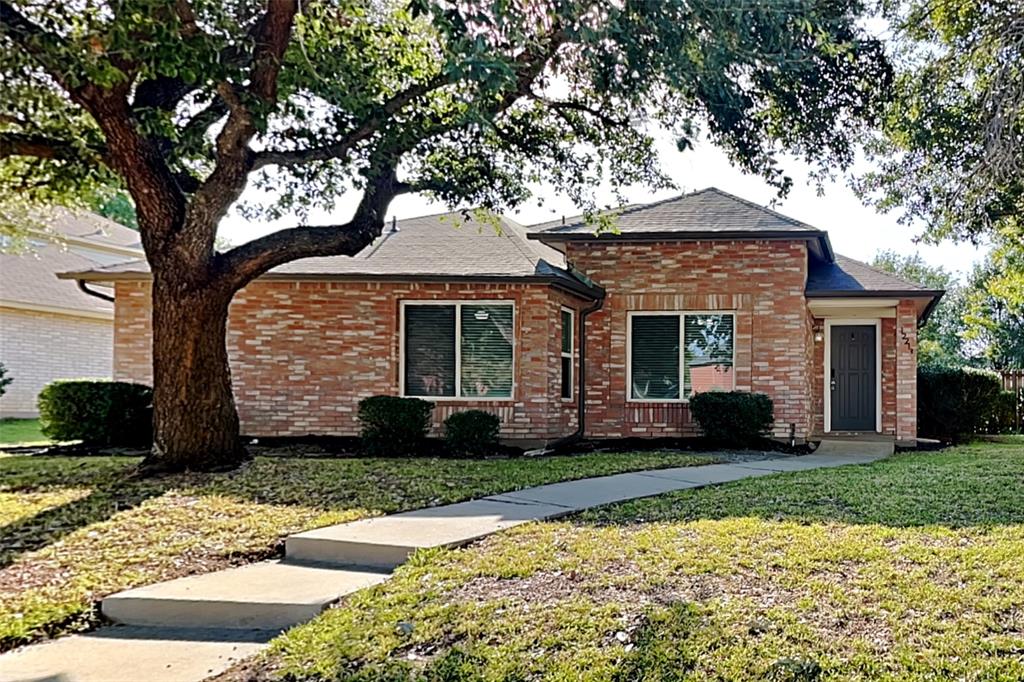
column 43, row 147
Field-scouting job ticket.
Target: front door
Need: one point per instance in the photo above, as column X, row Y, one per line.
column 853, row 377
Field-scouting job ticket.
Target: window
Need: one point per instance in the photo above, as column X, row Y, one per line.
column 675, row 355
column 567, row 336
column 457, row 350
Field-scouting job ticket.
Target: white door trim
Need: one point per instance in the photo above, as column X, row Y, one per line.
column 877, row 323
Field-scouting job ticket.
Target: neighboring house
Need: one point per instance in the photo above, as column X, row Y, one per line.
column 702, row 292
column 49, row 328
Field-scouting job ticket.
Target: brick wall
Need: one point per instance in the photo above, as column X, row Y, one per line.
column 762, row 282
column 38, row 347
column 906, row 371
column 304, row 353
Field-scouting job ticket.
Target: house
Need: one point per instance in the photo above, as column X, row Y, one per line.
column 51, row 329
column 555, row 327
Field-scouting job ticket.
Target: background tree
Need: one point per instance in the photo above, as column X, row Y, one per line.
column 950, row 155
column 941, row 339
column 185, row 103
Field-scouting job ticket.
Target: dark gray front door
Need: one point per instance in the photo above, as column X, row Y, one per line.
column 853, row 378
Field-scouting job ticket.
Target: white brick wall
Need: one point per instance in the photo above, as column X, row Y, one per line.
column 39, row 347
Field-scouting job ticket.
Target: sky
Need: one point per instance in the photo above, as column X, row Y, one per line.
column 856, row 230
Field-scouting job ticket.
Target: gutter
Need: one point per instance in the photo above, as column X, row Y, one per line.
column 581, row 393
column 92, row 292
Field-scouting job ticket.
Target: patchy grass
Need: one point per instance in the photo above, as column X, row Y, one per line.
column 77, row 529
column 21, row 432
column 911, row 568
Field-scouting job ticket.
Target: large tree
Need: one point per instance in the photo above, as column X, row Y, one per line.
column 184, row 103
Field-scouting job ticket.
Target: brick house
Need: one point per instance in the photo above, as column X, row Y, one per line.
column 544, row 324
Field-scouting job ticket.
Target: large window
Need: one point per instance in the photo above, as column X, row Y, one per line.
column 567, row 337
column 675, row 355
column 457, row 350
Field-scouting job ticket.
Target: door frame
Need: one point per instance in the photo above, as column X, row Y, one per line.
column 875, row 322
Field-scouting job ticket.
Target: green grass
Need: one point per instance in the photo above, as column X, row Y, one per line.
column 21, row 432
column 911, row 568
column 73, row 530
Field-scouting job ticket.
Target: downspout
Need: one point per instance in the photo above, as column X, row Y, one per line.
column 581, row 392
column 92, row 292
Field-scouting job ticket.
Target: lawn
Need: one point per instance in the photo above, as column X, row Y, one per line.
column 21, row 431
column 77, row 529
column 911, row 568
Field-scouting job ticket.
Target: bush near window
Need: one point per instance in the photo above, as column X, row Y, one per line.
column 473, row 432
column 97, row 412
column 394, row 426
column 733, row 418
column 954, row 403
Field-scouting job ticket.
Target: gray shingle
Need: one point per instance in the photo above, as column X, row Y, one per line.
column 849, row 276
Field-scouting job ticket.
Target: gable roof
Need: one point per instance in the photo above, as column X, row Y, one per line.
column 705, row 214
column 91, row 228
column 443, row 246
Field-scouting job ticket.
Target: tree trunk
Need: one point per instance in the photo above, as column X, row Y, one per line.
column 195, row 421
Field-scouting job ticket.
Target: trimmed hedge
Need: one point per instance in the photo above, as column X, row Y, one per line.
column 394, row 426
column 97, row 412
column 953, row 403
column 733, row 418
column 473, row 432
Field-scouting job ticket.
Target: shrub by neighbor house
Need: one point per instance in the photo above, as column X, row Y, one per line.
column 394, row 426
column 473, row 432
column 4, row 379
column 97, row 412
column 954, row 403
column 733, row 417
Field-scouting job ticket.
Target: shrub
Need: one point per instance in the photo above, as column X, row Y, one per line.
column 955, row 402
column 393, row 425
column 4, row 379
column 473, row 432
column 733, row 418
column 97, row 412
column 1004, row 416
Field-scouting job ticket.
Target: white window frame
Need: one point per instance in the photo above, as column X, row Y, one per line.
column 571, row 354
column 827, row 388
column 457, row 303
column 682, row 350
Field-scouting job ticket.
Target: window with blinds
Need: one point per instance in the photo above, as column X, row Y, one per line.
column 654, row 362
column 567, row 336
column 675, row 355
column 458, row 350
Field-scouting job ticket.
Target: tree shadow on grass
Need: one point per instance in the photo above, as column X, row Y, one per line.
column 982, row 490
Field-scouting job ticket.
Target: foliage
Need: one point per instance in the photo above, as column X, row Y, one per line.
column 394, row 426
column 472, row 432
column 113, row 204
column 733, row 417
column 97, row 412
column 954, row 403
column 994, row 311
column 940, row 340
column 905, row 569
column 5, row 380
column 87, row 527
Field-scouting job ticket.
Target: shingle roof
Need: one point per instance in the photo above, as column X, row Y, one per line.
column 706, row 210
column 91, row 227
column 449, row 245
column 846, row 276
column 29, row 278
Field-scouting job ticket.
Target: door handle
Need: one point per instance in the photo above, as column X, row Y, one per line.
column 832, row 382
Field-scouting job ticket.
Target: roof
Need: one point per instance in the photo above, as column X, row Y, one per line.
column 92, row 228
column 443, row 246
column 848, row 277
column 29, row 279
column 705, row 214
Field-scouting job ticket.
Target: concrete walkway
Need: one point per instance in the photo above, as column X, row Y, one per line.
column 191, row 628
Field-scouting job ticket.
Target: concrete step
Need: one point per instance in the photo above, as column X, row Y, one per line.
column 271, row 595
column 870, row 447
column 387, row 541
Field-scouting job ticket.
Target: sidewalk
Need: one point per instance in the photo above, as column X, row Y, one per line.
column 191, row 628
